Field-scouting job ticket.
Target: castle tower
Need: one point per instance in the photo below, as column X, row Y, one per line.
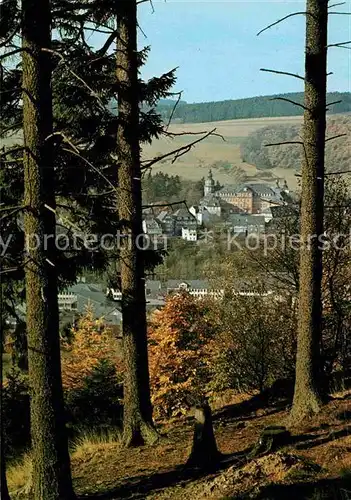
column 209, row 184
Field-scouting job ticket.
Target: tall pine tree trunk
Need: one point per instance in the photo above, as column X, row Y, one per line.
column 137, row 420
column 308, row 388
column 51, row 478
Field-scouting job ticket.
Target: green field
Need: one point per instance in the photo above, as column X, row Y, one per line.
column 195, row 164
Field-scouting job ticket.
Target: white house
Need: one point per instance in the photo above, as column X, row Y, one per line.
column 189, row 234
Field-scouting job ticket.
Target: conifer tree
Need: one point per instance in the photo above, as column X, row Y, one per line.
column 308, row 383
column 137, row 420
column 51, row 477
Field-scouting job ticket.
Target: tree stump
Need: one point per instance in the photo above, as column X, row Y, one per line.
column 204, row 451
column 271, row 438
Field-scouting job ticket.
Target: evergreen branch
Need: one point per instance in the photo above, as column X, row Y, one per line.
column 18, row 207
column 62, row 58
column 104, row 193
column 10, row 151
column 75, row 152
column 10, row 127
column 283, row 73
column 64, row 219
column 10, row 270
column 290, row 101
column 281, row 20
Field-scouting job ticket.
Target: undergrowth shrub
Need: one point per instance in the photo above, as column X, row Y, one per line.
column 256, row 343
column 97, row 402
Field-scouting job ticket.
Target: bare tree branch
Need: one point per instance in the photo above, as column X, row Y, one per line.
column 174, row 108
column 336, row 5
column 9, row 38
column 335, row 137
column 289, row 100
column 281, row 20
column 339, row 44
column 176, row 152
column 282, row 143
column 183, row 202
column 334, row 102
column 178, row 134
column 101, row 52
column 339, row 173
column 12, row 53
column 283, row 73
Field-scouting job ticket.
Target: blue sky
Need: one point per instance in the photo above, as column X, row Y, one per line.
column 219, row 56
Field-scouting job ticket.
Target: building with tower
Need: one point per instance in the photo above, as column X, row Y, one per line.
column 209, row 184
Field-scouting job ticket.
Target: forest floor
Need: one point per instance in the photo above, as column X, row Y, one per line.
column 315, row 465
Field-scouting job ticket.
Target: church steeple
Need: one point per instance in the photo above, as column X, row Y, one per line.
column 209, row 184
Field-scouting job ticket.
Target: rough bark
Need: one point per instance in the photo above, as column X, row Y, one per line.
column 308, row 391
column 51, row 465
column 137, row 419
column 204, row 451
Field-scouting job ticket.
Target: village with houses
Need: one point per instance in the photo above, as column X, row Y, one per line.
column 246, row 209
column 242, row 209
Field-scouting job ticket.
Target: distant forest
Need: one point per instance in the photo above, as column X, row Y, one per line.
column 253, row 107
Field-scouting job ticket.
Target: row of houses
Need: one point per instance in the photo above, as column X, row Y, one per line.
column 106, row 303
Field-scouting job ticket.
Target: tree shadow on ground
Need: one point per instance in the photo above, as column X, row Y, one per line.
column 137, row 487
column 325, row 489
column 275, row 399
column 307, row 441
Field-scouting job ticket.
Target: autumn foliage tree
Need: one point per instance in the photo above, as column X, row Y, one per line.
column 179, row 347
column 92, row 343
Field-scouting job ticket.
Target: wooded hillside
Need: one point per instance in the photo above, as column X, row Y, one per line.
column 253, row 107
column 255, row 150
